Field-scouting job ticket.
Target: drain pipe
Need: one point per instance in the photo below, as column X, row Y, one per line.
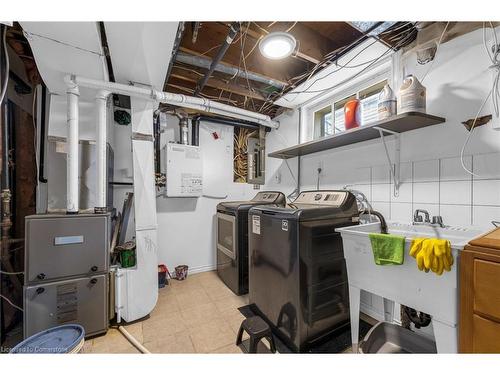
column 200, row 104
column 101, row 100
column 233, row 31
column 195, row 125
column 195, row 131
column 72, row 189
column 133, row 340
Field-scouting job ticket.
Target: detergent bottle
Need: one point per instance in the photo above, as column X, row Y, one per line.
column 412, row 96
column 386, row 103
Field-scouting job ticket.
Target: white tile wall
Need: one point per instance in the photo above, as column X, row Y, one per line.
column 451, row 169
column 401, row 212
column 426, row 170
column 455, row 192
column 426, row 192
column 486, row 192
column 483, row 215
column 440, row 186
column 456, row 214
column 486, row 166
column 381, row 192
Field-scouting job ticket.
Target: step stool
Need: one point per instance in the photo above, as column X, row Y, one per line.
column 257, row 329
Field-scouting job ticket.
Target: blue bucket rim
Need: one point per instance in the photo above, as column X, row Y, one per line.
column 26, row 342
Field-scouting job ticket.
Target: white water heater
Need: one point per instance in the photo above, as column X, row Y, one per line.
column 184, row 170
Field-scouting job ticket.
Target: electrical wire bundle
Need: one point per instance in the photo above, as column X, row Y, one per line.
column 402, row 39
column 240, row 160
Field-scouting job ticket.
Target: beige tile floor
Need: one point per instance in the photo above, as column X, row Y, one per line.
column 196, row 315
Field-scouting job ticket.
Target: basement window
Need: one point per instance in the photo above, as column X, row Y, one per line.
column 323, row 122
column 326, row 124
column 369, row 103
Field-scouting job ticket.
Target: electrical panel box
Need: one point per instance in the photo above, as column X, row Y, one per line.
column 184, row 170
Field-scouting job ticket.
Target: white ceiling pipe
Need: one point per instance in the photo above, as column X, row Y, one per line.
column 72, row 187
column 101, row 149
column 175, row 99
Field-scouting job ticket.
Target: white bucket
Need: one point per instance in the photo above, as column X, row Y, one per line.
column 411, row 96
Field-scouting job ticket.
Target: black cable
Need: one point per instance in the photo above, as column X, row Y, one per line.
column 335, row 71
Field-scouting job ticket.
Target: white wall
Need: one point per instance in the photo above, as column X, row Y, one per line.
column 278, row 175
column 186, row 226
column 432, row 177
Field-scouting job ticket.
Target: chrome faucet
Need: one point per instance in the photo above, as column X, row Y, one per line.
column 419, row 220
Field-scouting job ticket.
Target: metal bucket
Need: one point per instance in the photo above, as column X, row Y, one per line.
column 390, row 338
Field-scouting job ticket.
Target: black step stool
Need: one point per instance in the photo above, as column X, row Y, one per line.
column 257, row 329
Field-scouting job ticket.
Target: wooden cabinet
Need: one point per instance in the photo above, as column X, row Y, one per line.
column 480, row 295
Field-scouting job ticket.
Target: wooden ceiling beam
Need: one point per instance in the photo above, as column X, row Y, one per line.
column 257, row 36
column 186, row 87
column 312, row 45
column 212, row 35
column 191, row 76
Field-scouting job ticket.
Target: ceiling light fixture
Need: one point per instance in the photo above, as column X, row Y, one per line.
column 277, row 45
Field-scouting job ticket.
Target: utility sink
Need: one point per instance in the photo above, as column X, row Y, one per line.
column 406, row 284
column 458, row 236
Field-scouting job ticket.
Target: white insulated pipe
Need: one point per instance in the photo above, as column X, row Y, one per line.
column 72, row 188
column 101, row 147
column 192, row 102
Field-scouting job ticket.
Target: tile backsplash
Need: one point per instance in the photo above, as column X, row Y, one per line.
column 440, row 186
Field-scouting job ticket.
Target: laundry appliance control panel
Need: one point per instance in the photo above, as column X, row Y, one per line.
column 324, row 198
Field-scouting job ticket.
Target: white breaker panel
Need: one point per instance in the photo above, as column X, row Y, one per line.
column 184, row 171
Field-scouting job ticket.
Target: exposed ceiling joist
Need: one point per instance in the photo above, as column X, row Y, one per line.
column 193, row 77
column 251, row 75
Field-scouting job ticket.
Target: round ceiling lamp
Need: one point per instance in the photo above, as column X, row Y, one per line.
column 277, row 45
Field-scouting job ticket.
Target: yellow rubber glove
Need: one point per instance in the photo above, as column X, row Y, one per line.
column 442, row 250
column 416, row 246
column 428, row 250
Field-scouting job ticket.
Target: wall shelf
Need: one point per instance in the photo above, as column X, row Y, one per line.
column 395, row 124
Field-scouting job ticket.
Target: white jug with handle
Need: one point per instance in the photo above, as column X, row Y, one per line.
column 412, row 96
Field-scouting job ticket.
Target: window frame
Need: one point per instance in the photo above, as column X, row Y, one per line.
column 338, row 95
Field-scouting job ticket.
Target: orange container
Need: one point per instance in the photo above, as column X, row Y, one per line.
column 351, row 113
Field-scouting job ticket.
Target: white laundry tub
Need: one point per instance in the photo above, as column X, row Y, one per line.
column 405, row 284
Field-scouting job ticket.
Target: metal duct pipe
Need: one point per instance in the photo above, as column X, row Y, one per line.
column 101, row 141
column 233, row 31
column 200, row 104
column 72, row 191
column 183, row 127
column 205, row 62
column 157, row 135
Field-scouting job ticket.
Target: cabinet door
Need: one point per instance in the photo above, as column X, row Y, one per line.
column 486, row 336
column 487, row 288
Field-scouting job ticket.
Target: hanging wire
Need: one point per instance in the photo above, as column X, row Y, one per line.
column 406, row 37
column 493, row 93
column 11, row 303
column 7, row 66
column 435, row 54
